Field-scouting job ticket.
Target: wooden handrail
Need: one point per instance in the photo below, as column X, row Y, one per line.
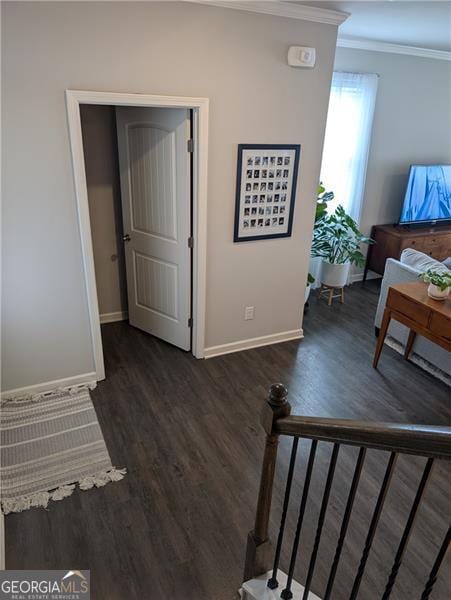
column 422, row 440
column 258, row 546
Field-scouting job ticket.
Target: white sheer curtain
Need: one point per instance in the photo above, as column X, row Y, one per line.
column 347, row 141
column 346, row 144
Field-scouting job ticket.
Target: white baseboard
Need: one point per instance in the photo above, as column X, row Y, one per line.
column 66, row 383
column 265, row 340
column 121, row 315
column 354, row 278
column 359, row 276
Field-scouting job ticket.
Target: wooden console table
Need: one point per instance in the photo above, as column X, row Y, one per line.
column 410, row 304
column 391, row 240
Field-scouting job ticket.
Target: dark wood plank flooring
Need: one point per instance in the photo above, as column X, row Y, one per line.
column 188, row 432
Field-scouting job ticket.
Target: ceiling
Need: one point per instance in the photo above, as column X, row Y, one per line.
column 426, row 24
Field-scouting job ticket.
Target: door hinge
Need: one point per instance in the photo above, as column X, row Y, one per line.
column 190, row 322
column 190, row 242
column 190, row 145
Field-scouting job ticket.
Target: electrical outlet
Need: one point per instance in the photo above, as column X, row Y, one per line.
column 248, row 313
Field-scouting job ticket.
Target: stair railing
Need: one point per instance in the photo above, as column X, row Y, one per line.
column 421, row 440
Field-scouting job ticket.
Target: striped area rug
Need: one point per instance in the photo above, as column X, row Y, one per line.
column 49, row 443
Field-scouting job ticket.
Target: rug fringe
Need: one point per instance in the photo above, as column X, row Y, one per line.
column 41, row 499
column 72, row 389
column 102, row 478
column 419, row 361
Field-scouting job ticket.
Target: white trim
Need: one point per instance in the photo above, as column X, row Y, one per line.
column 282, row 9
column 84, row 223
column 200, row 191
column 200, row 109
column 265, row 340
column 359, row 276
column 112, row 317
column 376, row 46
column 48, row 386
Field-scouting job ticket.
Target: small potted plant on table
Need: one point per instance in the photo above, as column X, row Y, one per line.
column 439, row 283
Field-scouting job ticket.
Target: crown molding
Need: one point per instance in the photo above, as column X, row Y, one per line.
column 376, row 46
column 282, row 9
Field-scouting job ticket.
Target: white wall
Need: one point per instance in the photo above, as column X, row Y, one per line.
column 412, row 124
column 105, row 209
column 238, row 60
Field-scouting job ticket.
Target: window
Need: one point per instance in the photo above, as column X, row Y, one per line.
column 347, row 140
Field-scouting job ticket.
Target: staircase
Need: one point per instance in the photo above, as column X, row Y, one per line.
column 263, row 579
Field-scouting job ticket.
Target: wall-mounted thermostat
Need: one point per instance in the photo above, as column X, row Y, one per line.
column 301, row 56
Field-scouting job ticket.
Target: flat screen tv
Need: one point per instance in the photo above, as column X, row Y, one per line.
column 428, row 195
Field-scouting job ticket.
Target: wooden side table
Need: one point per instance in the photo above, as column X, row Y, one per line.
column 410, row 304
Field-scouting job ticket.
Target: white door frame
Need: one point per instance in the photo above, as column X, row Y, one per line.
column 200, row 163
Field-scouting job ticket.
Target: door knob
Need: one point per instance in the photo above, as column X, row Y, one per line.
column 126, row 238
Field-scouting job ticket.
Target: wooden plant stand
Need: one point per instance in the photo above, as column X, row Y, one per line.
column 326, row 290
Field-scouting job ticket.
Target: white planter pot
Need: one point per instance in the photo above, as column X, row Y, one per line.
column 334, row 275
column 436, row 293
column 307, row 292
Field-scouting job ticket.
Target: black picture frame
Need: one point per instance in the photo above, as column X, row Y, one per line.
column 278, row 177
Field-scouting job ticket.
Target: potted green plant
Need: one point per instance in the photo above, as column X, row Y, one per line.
column 322, row 198
column 439, row 283
column 337, row 241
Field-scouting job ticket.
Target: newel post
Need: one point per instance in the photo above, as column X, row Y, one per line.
column 258, row 559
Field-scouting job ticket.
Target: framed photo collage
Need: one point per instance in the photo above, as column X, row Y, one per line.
column 265, row 191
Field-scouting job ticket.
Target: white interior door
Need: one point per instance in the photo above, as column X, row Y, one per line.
column 156, row 203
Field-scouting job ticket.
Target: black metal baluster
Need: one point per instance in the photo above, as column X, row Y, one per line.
column 287, row 593
column 436, row 568
column 322, row 516
column 273, row 583
column 346, row 519
column 408, row 529
column 373, row 525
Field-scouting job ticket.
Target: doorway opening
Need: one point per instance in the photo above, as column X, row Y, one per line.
column 140, row 178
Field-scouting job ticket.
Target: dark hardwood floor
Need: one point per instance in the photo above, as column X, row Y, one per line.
column 188, row 432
